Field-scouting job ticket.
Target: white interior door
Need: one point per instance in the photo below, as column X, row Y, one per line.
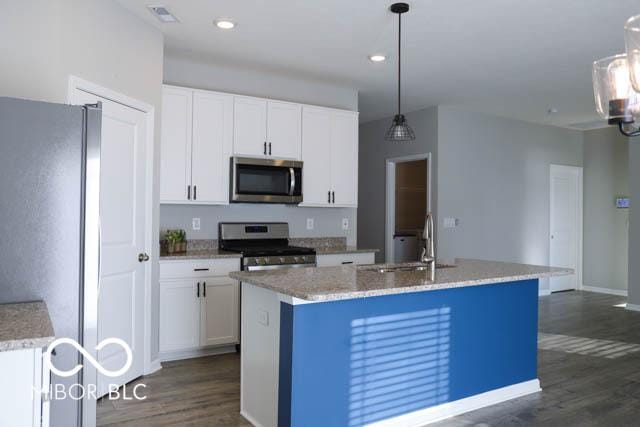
column 565, row 224
column 123, row 222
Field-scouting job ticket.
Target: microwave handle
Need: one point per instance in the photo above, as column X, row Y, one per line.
column 292, row 185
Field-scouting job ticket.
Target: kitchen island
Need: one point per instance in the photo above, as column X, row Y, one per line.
column 381, row 346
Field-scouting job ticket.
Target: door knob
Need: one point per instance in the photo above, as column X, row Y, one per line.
column 143, row 257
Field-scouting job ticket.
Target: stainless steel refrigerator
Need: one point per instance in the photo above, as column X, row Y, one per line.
column 49, row 226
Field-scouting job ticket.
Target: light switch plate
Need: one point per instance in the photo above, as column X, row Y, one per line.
column 263, row 317
column 309, row 223
column 345, row 223
column 195, row 223
column 450, row 222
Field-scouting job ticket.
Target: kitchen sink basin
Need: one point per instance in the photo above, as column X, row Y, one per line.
column 402, row 268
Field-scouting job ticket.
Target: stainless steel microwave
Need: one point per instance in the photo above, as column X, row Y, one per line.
column 265, row 181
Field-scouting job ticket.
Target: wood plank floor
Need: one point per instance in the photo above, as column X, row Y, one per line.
column 588, row 389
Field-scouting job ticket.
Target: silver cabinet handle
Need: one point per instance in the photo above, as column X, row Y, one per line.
column 292, row 184
column 143, row 257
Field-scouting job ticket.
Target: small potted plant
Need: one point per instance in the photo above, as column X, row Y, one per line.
column 176, row 241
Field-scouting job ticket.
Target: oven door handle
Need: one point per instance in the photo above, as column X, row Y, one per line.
column 292, row 185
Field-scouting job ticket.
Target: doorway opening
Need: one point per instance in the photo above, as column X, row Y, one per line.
column 408, row 199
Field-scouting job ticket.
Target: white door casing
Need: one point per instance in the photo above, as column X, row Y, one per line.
column 565, row 225
column 123, row 224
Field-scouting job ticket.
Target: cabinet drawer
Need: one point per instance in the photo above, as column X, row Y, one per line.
column 332, row 260
column 198, row 268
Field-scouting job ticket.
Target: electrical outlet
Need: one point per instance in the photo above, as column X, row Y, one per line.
column 345, row 223
column 309, row 223
column 450, row 222
column 195, row 223
column 263, row 317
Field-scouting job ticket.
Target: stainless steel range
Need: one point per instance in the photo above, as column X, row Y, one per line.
column 264, row 246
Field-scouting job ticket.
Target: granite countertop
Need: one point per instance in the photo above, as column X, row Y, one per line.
column 25, row 325
column 346, row 282
column 344, row 250
column 199, row 254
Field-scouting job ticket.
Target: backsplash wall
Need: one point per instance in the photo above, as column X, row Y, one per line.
column 327, row 221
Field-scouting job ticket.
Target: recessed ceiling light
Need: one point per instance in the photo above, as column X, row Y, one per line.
column 225, row 24
column 163, row 14
column 377, row 58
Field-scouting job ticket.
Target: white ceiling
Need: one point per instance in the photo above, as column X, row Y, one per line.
column 513, row 58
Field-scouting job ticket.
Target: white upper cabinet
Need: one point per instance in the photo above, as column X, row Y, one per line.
column 250, row 127
column 175, row 154
column 201, row 130
column 316, row 156
column 197, row 140
column 266, row 128
column 344, row 158
column 212, row 145
column 330, row 156
column 284, row 130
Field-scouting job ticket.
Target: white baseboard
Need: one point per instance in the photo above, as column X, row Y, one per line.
column 154, row 366
column 249, row 418
column 169, row 356
column 457, row 407
column 633, row 307
column 618, row 292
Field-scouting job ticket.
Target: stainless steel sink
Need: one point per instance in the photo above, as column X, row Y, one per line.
column 402, row 268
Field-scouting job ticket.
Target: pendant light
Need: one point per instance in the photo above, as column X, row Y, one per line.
column 399, row 130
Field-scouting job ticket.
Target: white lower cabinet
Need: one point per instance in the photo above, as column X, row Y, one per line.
column 333, row 260
column 199, row 306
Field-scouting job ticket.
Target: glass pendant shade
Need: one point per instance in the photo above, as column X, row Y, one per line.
column 615, row 98
column 632, row 39
column 400, row 130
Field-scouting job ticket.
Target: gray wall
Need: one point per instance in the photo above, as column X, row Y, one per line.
column 184, row 71
column 493, row 175
column 374, row 151
column 634, row 224
column 327, row 221
column 606, row 229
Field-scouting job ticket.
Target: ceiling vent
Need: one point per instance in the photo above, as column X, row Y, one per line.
column 163, row 14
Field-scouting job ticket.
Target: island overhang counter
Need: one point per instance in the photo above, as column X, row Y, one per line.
column 354, row 346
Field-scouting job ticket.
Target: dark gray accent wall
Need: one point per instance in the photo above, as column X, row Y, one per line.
column 374, row 151
column 606, row 229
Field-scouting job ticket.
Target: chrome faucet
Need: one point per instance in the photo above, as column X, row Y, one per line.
column 428, row 255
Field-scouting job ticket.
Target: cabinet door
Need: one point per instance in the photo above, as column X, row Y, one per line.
column 220, row 311
column 316, row 156
column 344, row 158
column 175, row 152
column 284, row 129
column 249, row 126
column 212, row 144
column 179, row 315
